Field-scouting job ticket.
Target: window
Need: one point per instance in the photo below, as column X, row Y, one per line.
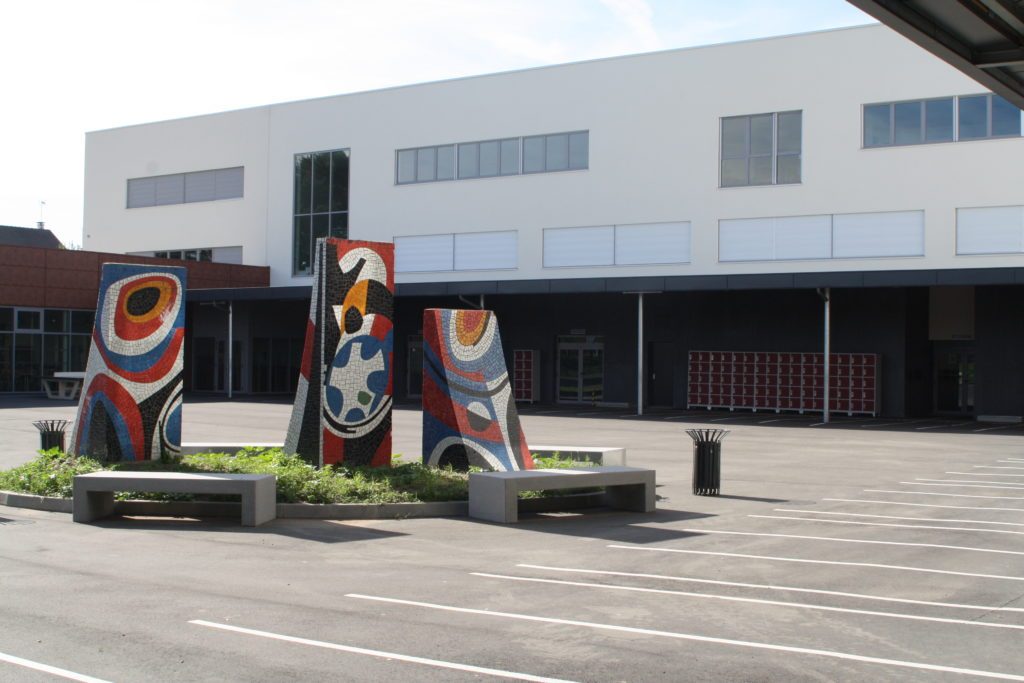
column 183, row 254
column 185, row 188
column 972, row 117
column 617, row 245
column 35, row 343
column 558, row 152
column 853, row 235
column 490, row 158
column 990, row 230
column 762, row 149
column 321, row 203
column 496, row 250
column 426, row 164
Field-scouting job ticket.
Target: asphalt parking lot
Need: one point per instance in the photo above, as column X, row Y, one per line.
column 860, row 550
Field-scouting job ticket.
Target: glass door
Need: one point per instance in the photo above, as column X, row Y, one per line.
column 580, row 369
column 954, row 380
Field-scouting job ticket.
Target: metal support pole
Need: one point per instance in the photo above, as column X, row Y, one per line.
column 231, row 347
column 640, row 353
column 828, row 304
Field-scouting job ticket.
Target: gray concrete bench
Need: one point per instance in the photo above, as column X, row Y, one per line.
column 601, row 455
column 494, row 496
column 94, row 492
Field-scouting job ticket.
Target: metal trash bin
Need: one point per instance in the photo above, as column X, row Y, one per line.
column 51, row 433
column 707, row 460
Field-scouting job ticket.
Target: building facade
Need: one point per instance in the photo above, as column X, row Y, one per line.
column 720, row 192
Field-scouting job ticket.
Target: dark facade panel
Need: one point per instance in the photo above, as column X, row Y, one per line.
column 761, row 281
column 849, row 279
column 524, row 286
column 636, row 284
column 421, row 289
column 579, row 285
column 976, row 276
column 899, row 278
column 695, row 283
column 485, row 287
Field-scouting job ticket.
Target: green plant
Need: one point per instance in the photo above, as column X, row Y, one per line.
column 51, row 474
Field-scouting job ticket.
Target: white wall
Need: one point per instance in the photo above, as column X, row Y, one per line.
column 653, row 122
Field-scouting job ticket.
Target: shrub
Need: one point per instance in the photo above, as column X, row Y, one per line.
column 51, row 474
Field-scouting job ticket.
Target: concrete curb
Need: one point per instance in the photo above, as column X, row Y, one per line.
column 338, row 511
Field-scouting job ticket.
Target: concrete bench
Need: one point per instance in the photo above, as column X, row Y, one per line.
column 494, row 496
column 601, row 455
column 63, row 385
column 94, row 492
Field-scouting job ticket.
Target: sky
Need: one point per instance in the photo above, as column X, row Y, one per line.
column 73, row 66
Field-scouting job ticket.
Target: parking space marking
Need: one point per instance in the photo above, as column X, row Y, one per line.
column 756, row 601
column 1000, row 467
column 856, row 540
column 693, row 637
column 989, row 474
column 774, row 558
column 893, row 424
column 971, row 481
column 734, row 417
column 762, row 586
column 950, row 426
column 897, row 526
column 922, row 505
column 912, row 519
column 993, row 429
column 378, row 653
column 1013, row 459
column 46, row 668
column 961, row 486
column 932, row 493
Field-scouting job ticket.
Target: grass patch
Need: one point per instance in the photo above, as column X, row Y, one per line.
column 557, row 462
column 52, row 474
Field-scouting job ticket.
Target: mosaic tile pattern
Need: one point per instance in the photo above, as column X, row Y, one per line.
column 469, row 413
column 342, row 410
column 131, row 400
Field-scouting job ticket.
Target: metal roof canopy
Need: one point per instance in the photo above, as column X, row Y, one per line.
column 982, row 38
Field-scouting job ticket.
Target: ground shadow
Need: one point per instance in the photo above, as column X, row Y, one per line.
column 610, row 525
column 316, row 530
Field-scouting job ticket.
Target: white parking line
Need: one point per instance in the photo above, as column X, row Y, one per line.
column 922, row 505
column 757, row 601
column 891, row 424
column 948, row 495
column 956, row 424
column 46, row 668
column 1013, row 459
column 787, row 589
column 912, row 519
column 378, row 653
column 961, row 486
column 1000, row 467
column 969, row 481
column 896, row 526
column 856, row 540
column 690, row 636
column 734, row 417
column 993, row 429
column 776, row 558
column 989, row 474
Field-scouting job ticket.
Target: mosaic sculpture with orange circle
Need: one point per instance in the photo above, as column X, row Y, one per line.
column 131, row 399
column 469, row 413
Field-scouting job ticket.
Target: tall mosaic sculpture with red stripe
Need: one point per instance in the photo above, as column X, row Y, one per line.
column 469, row 413
column 131, row 399
column 342, row 410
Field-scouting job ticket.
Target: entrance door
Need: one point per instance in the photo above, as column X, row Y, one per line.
column 954, row 379
column 580, row 369
column 660, row 366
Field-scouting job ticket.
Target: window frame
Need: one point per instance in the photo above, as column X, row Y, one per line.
column 184, row 176
column 923, row 103
column 311, row 214
column 749, row 155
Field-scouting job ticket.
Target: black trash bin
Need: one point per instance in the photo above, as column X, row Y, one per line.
column 51, row 433
column 707, row 460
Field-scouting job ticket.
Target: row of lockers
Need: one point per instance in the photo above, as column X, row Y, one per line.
column 783, row 381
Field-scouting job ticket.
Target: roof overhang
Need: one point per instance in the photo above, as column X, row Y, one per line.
column 982, row 38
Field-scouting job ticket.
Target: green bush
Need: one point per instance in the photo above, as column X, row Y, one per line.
column 51, row 474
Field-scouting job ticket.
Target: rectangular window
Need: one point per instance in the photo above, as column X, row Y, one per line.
column 787, row 238
column 990, row 230
column 976, row 117
column 490, row 158
column 320, row 203
column 590, row 246
column 424, row 253
column 617, row 245
column 183, row 188
column 761, row 149
column 486, row 250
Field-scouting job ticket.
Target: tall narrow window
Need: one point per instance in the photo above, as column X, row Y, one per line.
column 762, row 149
column 321, row 203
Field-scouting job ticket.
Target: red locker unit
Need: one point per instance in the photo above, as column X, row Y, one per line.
column 525, row 368
column 767, row 380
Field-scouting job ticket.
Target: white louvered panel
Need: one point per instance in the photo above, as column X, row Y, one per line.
column 591, row 246
column 870, row 235
column 423, row 253
column 651, row 243
column 486, row 250
column 990, row 230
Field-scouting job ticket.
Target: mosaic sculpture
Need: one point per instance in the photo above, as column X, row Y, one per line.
column 131, row 399
column 469, row 413
column 342, row 410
